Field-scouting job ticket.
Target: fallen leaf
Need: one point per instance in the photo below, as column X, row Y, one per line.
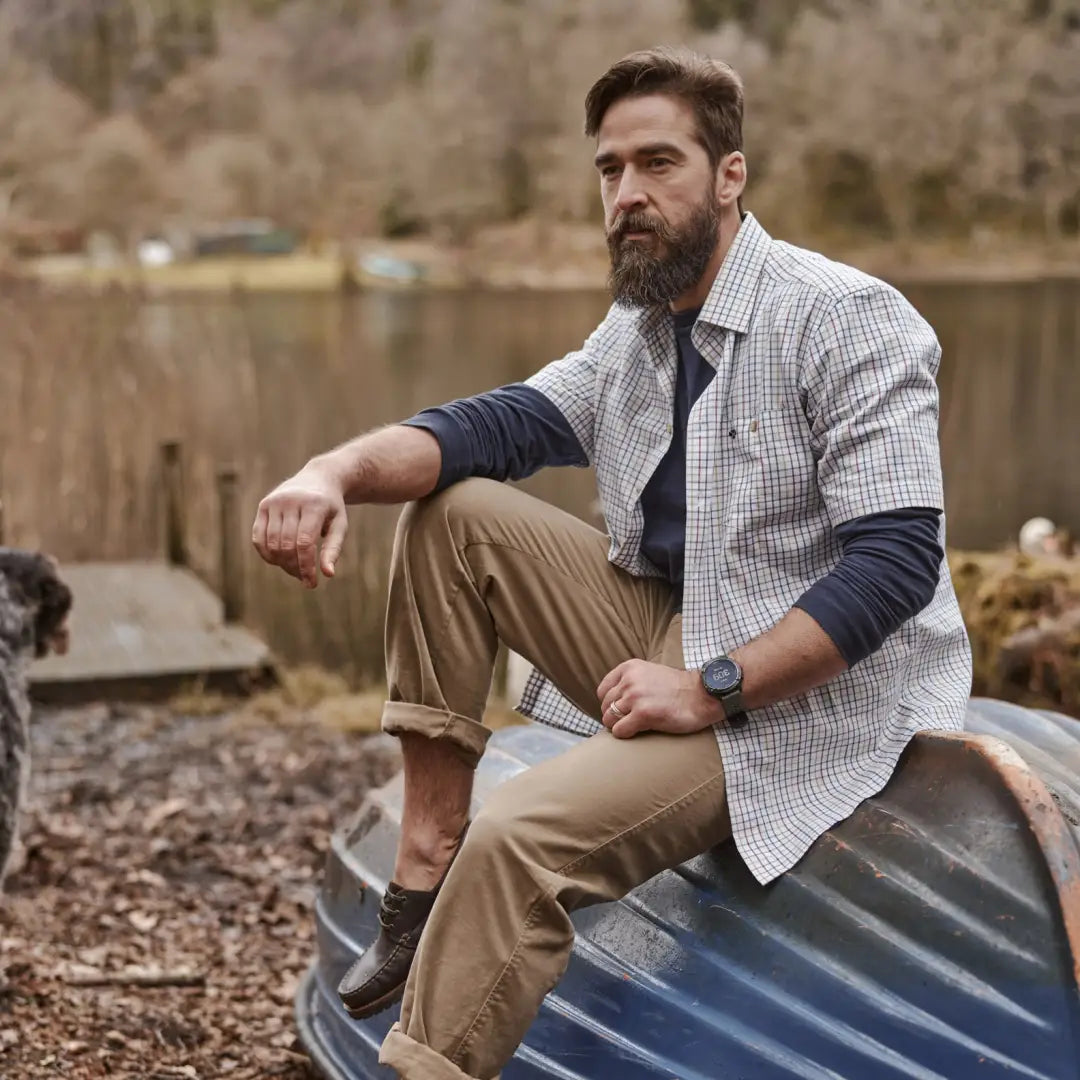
column 167, row 809
column 143, row 921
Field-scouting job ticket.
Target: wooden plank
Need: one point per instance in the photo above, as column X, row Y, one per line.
column 147, row 620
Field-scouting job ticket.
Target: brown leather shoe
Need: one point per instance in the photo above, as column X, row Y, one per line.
column 377, row 980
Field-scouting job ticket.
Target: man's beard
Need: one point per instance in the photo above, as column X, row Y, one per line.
column 643, row 273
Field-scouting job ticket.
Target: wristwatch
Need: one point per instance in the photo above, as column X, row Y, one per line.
column 722, row 679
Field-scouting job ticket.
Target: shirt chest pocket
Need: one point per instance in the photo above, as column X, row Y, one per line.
column 772, row 468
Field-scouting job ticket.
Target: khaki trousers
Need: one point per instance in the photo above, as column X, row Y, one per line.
column 479, row 562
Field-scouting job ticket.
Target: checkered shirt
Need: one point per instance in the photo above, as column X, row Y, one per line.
column 824, row 408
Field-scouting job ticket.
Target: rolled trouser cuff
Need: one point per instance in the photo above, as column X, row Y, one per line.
column 415, row 1061
column 467, row 736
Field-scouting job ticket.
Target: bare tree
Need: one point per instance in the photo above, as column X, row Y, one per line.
column 123, row 184
column 895, row 118
column 1047, row 125
column 41, row 125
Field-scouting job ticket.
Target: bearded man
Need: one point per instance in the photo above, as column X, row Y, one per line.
column 747, row 652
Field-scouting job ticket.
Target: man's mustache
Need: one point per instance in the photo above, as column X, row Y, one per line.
column 632, row 223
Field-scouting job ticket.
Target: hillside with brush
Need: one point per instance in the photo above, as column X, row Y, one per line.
column 874, row 119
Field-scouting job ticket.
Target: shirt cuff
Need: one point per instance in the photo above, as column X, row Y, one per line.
column 453, row 441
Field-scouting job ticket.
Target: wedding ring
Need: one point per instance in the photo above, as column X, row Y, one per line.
column 616, row 710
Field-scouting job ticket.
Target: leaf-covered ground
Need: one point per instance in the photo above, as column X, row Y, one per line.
column 163, row 913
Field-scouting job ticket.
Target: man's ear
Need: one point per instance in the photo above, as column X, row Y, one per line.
column 730, row 178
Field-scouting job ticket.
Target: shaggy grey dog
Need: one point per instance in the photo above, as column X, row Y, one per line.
column 34, row 605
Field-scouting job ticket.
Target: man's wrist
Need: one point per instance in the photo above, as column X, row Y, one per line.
column 722, row 681
column 333, row 469
column 710, row 709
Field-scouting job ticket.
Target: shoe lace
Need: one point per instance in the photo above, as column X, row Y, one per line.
column 390, row 909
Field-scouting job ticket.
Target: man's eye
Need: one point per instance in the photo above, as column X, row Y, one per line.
column 609, row 171
column 659, row 163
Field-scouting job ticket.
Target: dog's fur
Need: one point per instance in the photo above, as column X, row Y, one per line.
column 34, row 604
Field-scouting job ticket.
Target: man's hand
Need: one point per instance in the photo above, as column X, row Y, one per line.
column 295, row 516
column 654, row 697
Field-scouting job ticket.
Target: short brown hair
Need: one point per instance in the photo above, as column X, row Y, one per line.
column 710, row 87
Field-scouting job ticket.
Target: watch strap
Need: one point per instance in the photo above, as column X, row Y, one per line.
column 734, row 710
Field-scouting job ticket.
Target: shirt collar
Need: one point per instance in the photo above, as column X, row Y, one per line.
column 730, row 303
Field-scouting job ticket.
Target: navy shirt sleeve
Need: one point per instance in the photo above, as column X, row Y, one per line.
column 505, row 434
column 887, row 573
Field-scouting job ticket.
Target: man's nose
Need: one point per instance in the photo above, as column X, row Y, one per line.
column 631, row 194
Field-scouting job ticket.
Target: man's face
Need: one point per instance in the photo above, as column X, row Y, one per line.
column 661, row 212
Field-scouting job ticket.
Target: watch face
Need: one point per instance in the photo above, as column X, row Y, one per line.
column 721, row 675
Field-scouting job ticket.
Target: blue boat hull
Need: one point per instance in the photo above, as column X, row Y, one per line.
column 934, row 935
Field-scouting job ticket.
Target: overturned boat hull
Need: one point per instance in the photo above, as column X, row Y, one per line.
column 934, row 935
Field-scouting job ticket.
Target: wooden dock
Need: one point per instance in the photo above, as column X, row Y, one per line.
column 145, row 630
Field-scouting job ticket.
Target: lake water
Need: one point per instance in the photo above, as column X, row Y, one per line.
column 90, row 387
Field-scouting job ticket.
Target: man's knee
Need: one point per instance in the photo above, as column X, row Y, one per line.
column 510, row 826
column 451, row 508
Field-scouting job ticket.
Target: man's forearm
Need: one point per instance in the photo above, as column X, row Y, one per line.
column 887, row 574
column 391, row 465
column 795, row 656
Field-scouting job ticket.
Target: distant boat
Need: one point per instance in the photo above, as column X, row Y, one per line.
column 934, row 935
column 257, row 237
column 390, row 269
